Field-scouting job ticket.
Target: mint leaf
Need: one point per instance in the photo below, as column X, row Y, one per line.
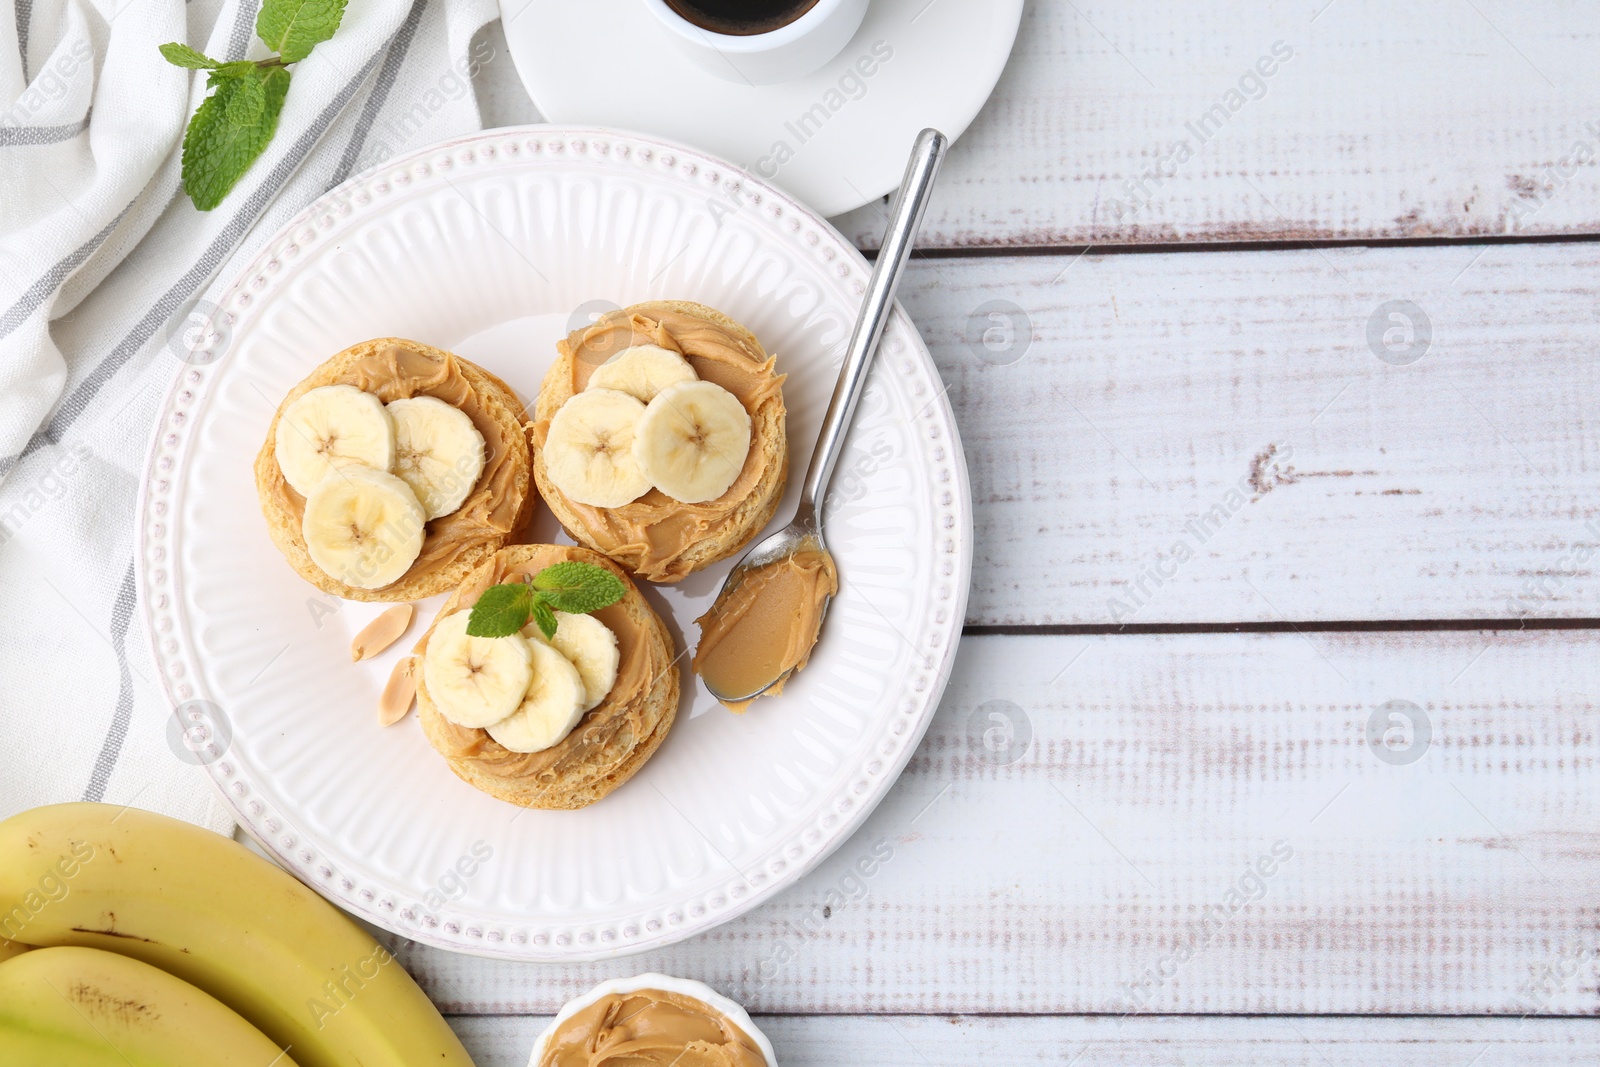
column 239, row 68
column 233, row 125
column 218, row 149
column 246, row 104
column 578, row 588
column 181, row 55
column 292, row 28
column 501, row 611
column 545, row 617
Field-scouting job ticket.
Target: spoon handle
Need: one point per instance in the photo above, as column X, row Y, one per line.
column 904, row 219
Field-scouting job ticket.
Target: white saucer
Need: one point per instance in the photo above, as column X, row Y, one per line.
column 609, row 63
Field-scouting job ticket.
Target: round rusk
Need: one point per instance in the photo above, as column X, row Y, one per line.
column 607, row 743
column 657, row 536
column 481, row 499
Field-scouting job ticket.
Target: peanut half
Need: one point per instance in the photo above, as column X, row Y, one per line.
column 381, row 632
column 399, row 692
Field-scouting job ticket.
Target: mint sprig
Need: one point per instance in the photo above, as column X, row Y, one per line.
column 573, row 587
column 292, row 28
column 233, row 125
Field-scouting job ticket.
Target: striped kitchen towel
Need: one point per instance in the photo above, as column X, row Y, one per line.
column 98, row 248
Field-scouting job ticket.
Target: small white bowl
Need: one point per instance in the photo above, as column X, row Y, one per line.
column 686, row 987
column 784, row 54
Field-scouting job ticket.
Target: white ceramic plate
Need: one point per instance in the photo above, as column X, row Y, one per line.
column 487, row 245
column 923, row 63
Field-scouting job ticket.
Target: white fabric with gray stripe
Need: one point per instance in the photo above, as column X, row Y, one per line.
column 98, row 248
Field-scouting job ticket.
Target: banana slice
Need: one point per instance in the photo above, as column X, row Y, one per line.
column 437, row 452
column 589, row 450
column 692, row 441
column 642, row 372
column 591, row 647
column 552, row 707
column 475, row 681
column 363, row 527
column 330, row 427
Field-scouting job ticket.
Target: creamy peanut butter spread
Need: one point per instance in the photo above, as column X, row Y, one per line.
column 607, row 732
column 490, row 512
column 767, row 625
column 651, row 535
column 650, row 1028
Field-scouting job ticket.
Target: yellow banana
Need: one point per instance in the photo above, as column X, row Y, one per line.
column 80, row 1007
column 11, row 948
column 208, row 910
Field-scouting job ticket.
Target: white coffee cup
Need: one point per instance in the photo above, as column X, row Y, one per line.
column 802, row 47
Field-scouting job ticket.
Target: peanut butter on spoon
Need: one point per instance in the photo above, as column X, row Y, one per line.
column 769, row 614
column 766, row 626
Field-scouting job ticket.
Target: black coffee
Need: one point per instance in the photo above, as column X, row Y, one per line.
column 741, row 18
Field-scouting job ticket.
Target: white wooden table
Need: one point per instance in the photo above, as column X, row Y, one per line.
column 1292, row 601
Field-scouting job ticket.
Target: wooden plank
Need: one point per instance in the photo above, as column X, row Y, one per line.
column 960, row 1041
column 1136, row 121
column 1212, row 438
column 1191, row 824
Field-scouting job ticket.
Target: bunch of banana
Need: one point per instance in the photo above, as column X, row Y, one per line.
column 645, row 419
column 208, row 911
column 526, row 690
column 81, row 1007
column 372, row 474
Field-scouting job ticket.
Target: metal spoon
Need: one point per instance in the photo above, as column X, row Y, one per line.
column 804, row 531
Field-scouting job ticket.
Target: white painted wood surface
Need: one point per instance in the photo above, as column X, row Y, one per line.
column 963, row 1041
column 1210, row 439
column 1441, row 118
column 1160, row 771
column 1029, row 906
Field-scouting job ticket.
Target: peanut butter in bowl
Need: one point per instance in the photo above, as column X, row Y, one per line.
column 652, row 1020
